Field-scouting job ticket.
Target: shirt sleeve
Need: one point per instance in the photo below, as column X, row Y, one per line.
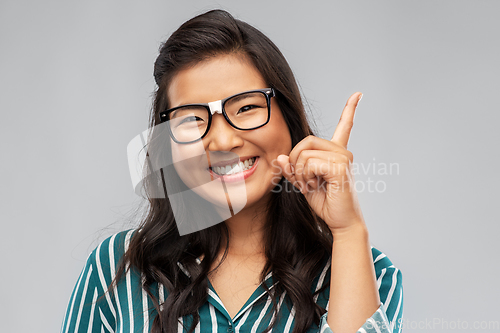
column 388, row 317
column 88, row 310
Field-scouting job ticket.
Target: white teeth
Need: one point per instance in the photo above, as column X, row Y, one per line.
column 235, row 168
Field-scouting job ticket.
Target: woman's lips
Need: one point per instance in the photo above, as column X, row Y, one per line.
column 237, row 177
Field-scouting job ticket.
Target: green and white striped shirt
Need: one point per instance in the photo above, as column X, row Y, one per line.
column 127, row 308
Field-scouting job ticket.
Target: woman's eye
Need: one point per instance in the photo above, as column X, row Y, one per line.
column 246, row 108
column 190, row 120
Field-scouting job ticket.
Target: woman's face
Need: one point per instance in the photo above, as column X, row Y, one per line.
column 212, row 80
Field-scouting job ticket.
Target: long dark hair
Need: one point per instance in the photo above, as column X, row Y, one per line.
column 297, row 243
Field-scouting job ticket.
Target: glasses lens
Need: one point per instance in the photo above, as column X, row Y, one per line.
column 247, row 110
column 188, row 123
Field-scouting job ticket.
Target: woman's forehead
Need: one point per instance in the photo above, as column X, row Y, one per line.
column 214, row 79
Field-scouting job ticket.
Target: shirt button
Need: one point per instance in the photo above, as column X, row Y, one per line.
column 230, row 329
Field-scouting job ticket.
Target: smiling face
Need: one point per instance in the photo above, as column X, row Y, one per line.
column 212, row 80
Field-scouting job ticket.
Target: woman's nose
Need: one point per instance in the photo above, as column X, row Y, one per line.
column 222, row 136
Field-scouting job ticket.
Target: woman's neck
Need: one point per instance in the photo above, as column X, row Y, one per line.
column 247, row 231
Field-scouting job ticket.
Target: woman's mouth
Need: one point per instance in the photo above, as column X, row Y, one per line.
column 235, row 171
column 234, row 168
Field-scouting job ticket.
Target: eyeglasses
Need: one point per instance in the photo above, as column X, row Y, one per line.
column 244, row 111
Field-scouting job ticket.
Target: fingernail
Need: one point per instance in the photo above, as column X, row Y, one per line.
column 357, row 104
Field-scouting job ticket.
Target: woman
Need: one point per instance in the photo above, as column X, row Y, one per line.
column 286, row 258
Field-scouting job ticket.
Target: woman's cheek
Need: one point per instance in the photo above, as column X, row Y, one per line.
column 186, row 159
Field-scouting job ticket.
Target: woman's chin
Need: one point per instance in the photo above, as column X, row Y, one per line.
column 228, row 198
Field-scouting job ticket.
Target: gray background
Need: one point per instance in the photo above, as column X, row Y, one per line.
column 76, row 83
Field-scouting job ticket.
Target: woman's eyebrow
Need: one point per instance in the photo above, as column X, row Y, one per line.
column 184, row 104
column 242, row 97
column 236, row 98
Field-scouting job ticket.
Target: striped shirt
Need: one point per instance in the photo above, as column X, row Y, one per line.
column 127, row 308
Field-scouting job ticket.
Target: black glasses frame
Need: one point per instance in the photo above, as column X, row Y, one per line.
column 268, row 92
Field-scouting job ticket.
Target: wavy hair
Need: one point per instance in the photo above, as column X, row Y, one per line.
column 297, row 242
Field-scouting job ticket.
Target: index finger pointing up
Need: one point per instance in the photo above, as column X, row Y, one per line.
column 343, row 130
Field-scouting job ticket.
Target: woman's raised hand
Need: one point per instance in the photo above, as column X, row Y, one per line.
column 322, row 170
